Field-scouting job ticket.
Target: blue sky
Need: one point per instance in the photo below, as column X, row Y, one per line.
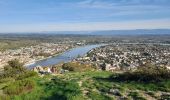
column 82, row 15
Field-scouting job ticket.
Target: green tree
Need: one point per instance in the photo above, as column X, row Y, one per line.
column 14, row 68
column 15, row 64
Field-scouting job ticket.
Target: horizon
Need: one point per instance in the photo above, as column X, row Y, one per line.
column 21, row 16
column 98, row 32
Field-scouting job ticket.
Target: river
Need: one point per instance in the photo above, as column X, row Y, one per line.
column 65, row 56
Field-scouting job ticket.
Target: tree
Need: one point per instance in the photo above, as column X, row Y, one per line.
column 15, row 64
column 14, row 68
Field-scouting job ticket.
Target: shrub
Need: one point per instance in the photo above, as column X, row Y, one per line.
column 68, row 66
column 15, row 64
column 5, row 97
column 19, row 87
column 16, row 70
column 75, row 66
column 27, row 75
column 4, row 80
column 13, row 69
column 147, row 73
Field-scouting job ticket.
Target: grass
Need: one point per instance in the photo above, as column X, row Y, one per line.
column 98, row 96
column 15, row 44
column 135, row 96
column 88, row 85
column 51, row 89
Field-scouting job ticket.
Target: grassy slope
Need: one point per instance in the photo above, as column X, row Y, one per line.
column 86, row 85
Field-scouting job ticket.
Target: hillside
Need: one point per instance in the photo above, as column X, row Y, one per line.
column 84, row 84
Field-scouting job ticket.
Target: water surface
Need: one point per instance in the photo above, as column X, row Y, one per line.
column 65, row 57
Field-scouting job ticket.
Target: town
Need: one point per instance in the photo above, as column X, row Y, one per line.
column 119, row 57
column 129, row 56
column 31, row 54
column 115, row 69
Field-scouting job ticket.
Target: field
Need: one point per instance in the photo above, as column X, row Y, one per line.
column 15, row 41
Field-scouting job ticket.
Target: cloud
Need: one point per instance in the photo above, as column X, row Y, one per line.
column 95, row 4
column 126, row 7
column 83, row 14
column 120, row 3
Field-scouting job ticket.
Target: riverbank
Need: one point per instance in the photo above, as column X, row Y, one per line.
column 57, row 54
column 34, row 61
column 65, row 56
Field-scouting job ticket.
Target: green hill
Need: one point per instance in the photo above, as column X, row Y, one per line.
column 83, row 85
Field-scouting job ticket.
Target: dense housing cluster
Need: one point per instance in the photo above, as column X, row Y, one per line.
column 129, row 56
column 33, row 53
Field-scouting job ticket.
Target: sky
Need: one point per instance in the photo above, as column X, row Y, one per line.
column 83, row 15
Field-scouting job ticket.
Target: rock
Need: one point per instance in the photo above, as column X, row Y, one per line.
column 166, row 93
column 123, row 98
column 115, row 92
column 165, row 96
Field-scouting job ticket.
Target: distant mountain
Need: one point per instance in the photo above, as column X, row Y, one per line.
column 132, row 32
column 117, row 32
column 107, row 32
